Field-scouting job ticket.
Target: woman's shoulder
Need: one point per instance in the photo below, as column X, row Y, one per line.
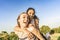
column 17, row 28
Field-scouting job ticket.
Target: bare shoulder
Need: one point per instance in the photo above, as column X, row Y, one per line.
column 16, row 28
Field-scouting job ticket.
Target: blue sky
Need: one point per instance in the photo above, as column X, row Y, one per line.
column 48, row 12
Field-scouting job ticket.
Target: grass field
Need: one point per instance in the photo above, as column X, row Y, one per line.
column 55, row 36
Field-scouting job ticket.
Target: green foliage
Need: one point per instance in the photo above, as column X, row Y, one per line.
column 44, row 29
column 57, row 30
column 52, row 32
column 58, row 38
column 4, row 32
column 55, row 36
column 13, row 36
column 5, row 36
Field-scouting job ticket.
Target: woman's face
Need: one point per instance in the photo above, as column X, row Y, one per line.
column 23, row 20
column 31, row 13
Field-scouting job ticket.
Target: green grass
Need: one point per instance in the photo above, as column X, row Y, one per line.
column 55, row 36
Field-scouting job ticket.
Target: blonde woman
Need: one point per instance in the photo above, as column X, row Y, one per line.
column 25, row 30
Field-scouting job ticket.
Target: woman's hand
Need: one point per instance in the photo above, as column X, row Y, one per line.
column 35, row 32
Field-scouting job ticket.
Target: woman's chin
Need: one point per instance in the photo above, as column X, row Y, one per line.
column 24, row 25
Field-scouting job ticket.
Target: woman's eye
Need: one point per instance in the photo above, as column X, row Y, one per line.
column 23, row 17
column 30, row 12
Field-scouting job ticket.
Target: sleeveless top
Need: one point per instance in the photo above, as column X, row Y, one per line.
column 32, row 22
column 25, row 36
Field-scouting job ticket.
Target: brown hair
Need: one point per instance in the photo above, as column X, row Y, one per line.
column 30, row 9
column 35, row 17
column 19, row 18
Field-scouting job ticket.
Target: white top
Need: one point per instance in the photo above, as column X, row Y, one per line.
column 24, row 36
column 32, row 21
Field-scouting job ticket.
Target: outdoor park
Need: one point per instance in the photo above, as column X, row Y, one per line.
column 4, row 35
column 48, row 12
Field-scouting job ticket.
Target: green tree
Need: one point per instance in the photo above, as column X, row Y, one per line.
column 4, row 32
column 13, row 36
column 4, row 35
column 44, row 29
column 57, row 30
column 1, row 38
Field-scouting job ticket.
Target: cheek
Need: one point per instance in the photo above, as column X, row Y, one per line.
column 28, row 14
column 37, row 22
column 20, row 21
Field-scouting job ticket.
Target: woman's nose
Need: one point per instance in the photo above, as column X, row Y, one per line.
column 25, row 20
column 31, row 14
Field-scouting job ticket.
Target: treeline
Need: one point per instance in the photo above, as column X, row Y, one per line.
column 5, row 36
column 44, row 29
column 12, row 36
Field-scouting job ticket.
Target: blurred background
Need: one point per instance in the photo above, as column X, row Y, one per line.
column 48, row 12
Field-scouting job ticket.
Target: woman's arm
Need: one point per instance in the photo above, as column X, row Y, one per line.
column 18, row 29
column 35, row 32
